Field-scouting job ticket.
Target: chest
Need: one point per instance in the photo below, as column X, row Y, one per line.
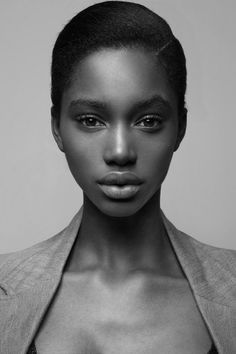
column 139, row 317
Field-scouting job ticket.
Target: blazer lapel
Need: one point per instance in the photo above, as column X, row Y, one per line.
column 208, row 287
column 22, row 315
column 221, row 322
column 23, row 311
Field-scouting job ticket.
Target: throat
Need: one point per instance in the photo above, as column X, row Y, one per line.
column 119, row 247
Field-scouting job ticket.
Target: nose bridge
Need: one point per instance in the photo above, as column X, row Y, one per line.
column 120, row 147
column 121, row 138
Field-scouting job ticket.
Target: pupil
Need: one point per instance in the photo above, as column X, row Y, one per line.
column 149, row 121
column 90, row 120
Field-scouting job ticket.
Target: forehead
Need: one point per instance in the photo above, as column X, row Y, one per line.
column 119, row 76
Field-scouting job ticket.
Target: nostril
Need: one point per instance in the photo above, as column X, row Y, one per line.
column 120, row 157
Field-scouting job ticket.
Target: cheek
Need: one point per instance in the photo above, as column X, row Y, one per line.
column 160, row 163
column 80, row 156
column 156, row 160
column 76, row 160
column 163, row 163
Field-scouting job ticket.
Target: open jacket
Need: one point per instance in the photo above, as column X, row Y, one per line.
column 30, row 278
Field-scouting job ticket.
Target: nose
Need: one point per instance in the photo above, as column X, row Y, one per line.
column 119, row 149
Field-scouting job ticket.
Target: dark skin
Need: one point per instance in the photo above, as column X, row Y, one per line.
column 123, row 290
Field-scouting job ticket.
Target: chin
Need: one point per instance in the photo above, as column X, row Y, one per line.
column 120, row 209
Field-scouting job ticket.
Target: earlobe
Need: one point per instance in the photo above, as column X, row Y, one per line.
column 55, row 126
column 181, row 128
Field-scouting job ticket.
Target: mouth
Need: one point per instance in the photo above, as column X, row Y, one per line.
column 120, row 179
column 120, row 191
column 120, row 185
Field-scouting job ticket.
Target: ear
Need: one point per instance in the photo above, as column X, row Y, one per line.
column 181, row 128
column 55, row 126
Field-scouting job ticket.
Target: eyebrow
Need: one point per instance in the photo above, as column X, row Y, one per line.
column 88, row 102
column 155, row 99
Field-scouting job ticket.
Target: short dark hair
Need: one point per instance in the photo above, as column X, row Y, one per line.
column 116, row 24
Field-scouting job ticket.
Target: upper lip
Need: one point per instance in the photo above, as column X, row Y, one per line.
column 120, row 178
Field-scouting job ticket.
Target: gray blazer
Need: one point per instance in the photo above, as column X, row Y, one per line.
column 30, row 278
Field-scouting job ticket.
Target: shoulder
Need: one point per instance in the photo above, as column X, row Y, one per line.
column 18, row 268
column 25, row 252
column 43, row 261
column 211, row 270
column 192, row 248
column 42, row 247
column 214, row 272
column 211, row 255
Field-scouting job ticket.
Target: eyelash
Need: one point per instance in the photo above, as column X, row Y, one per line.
column 84, row 118
column 154, row 118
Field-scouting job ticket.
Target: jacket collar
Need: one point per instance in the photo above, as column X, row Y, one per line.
column 29, row 283
column 210, row 272
column 212, row 287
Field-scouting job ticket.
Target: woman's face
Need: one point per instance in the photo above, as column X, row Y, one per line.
column 119, row 115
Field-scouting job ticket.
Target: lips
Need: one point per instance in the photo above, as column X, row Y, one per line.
column 120, row 185
column 120, row 179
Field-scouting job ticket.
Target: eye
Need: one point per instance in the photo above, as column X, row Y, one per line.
column 89, row 121
column 150, row 121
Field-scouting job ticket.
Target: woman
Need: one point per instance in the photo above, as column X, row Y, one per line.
column 120, row 278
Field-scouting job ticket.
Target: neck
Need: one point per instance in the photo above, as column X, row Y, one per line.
column 120, row 245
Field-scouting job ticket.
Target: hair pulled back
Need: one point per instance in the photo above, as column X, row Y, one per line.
column 116, row 24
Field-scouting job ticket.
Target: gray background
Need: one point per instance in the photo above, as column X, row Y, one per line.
column 37, row 193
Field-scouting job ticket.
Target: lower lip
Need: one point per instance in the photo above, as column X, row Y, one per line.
column 119, row 192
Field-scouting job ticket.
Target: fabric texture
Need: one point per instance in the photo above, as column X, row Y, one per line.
column 30, row 278
column 32, row 349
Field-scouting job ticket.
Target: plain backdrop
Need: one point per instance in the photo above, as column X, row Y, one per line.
column 38, row 196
